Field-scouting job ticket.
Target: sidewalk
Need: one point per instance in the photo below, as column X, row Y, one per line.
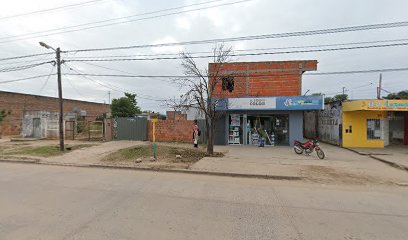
column 339, row 166
column 396, row 156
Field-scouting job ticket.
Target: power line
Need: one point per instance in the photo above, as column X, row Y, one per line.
column 244, row 75
column 50, row 9
column 46, row 81
column 259, row 37
column 81, row 27
column 109, row 86
column 246, row 50
column 25, row 56
column 238, row 54
column 23, row 79
column 24, row 67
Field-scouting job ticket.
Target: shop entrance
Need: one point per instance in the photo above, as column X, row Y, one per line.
column 273, row 129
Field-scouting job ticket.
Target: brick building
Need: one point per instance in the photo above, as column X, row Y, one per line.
column 262, row 101
column 16, row 104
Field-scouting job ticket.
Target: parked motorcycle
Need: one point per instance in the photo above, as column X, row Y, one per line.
column 308, row 147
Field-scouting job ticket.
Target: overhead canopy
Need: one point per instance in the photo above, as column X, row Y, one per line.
column 375, row 105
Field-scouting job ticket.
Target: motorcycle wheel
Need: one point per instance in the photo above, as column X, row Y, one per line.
column 298, row 150
column 320, row 153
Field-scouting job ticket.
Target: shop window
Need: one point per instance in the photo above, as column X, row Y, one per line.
column 373, row 129
column 228, row 83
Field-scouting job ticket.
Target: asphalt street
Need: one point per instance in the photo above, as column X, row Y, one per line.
column 54, row 202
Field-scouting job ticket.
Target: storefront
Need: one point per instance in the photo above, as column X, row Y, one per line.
column 274, row 120
column 375, row 123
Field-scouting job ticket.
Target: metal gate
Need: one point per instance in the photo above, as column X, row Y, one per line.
column 131, row 129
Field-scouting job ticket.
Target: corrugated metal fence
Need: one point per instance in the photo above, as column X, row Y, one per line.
column 131, row 129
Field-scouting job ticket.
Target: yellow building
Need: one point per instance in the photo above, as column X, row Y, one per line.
column 374, row 123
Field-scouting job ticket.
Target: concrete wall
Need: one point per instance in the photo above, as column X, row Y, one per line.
column 324, row 125
column 17, row 104
column 48, row 127
column 357, row 122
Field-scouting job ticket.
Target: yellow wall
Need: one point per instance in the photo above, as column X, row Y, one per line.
column 358, row 121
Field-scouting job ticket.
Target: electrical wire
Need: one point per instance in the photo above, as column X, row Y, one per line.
column 48, row 78
column 246, row 50
column 50, row 9
column 238, row 54
column 24, row 67
column 110, row 86
column 57, row 30
column 244, row 75
column 23, row 79
column 26, row 56
column 258, row 37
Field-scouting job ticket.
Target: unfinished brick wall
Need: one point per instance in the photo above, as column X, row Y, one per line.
column 171, row 131
column 259, row 79
column 17, row 103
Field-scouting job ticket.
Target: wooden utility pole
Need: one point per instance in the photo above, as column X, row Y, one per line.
column 61, row 105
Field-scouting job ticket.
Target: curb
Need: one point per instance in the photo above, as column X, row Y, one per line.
column 100, row 166
column 392, row 164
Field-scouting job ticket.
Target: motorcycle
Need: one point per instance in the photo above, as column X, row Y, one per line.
column 308, row 147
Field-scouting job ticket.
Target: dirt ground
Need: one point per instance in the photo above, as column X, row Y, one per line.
column 340, row 167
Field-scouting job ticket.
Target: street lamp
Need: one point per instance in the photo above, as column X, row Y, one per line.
column 61, row 107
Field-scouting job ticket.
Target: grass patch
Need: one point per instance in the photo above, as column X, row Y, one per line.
column 46, row 151
column 164, row 153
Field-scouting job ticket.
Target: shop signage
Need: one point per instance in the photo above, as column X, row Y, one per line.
column 300, row 103
column 251, row 103
column 271, row 103
column 387, row 105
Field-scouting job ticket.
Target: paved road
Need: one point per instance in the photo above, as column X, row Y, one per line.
column 50, row 202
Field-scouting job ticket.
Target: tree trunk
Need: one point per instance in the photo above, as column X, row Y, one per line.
column 210, row 138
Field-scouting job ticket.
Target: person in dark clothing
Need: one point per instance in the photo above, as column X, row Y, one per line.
column 196, row 133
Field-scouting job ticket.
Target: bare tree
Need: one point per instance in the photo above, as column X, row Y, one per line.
column 200, row 85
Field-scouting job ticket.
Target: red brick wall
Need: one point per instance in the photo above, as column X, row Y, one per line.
column 171, row 131
column 175, row 115
column 17, row 103
column 275, row 78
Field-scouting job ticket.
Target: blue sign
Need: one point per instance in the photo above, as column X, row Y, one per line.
column 271, row 103
column 300, row 103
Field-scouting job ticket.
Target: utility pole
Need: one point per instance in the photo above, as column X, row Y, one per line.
column 379, row 87
column 61, row 105
column 344, row 90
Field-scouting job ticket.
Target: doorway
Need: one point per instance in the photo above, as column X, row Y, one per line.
column 36, row 128
column 273, row 129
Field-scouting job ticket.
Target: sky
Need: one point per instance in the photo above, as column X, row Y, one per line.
column 195, row 20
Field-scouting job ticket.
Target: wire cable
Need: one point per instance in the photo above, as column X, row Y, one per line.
column 50, row 9
column 245, row 75
column 258, row 37
column 26, row 56
column 48, row 78
column 24, row 79
column 24, row 67
column 246, row 50
column 80, row 26
column 110, row 86
column 238, row 54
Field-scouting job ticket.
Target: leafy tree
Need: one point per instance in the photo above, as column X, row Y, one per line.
column 399, row 95
column 336, row 98
column 125, row 106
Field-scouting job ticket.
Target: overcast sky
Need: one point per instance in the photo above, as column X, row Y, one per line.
column 254, row 17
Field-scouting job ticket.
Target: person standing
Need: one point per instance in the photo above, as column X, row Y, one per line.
column 196, row 133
